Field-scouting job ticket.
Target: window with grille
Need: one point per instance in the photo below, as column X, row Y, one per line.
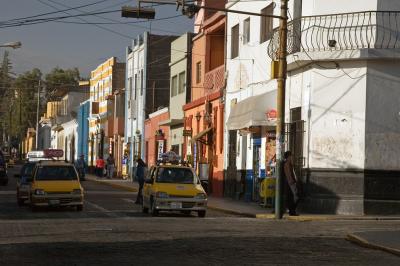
column 235, row 41
column 246, row 31
column 266, row 24
column 181, row 87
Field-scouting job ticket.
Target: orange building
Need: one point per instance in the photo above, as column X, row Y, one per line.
column 204, row 115
column 156, row 136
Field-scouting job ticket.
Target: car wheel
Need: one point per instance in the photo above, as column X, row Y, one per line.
column 79, row 208
column 202, row 214
column 154, row 211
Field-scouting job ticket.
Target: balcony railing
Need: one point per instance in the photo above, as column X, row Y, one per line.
column 348, row 31
column 214, row 80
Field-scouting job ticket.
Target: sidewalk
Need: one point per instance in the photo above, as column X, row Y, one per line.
column 241, row 208
column 388, row 241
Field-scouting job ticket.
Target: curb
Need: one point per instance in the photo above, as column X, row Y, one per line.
column 118, row 186
column 243, row 214
column 364, row 243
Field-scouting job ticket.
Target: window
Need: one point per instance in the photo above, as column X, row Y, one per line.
column 56, row 173
column 136, row 86
column 175, row 175
column 266, row 24
column 174, row 86
column 198, row 72
column 235, row 41
column 246, row 31
column 141, row 83
column 181, row 87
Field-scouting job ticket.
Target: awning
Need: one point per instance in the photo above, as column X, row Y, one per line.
column 201, row 134
column 252, row 112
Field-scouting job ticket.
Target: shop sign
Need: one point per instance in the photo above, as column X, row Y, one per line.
column 187, row 132
column 271, row 115
column 160, row 150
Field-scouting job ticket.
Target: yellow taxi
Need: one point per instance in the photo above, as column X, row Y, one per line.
column 55, row 183
column 171, row 186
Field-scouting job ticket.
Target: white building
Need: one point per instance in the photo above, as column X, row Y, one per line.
column 147, row 87
column 342, row 100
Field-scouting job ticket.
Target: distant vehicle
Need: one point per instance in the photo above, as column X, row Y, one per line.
column 3, row 170
column 55, row 183
column 173, row 186
column 24, row 182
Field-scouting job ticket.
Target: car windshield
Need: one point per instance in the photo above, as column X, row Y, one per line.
column 175, row 175
column 56, row 173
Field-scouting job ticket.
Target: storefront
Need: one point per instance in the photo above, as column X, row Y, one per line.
column 251, row 150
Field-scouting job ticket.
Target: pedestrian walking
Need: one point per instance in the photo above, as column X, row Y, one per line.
column 100, row 166
column 110, row 166
column 291, row 184
column 81, row 167
column 140, row 169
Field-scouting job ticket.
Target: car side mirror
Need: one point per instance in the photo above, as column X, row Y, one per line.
column 148, row 181
column 17, row 176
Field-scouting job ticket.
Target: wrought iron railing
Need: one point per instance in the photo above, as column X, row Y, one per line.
column 347, row 31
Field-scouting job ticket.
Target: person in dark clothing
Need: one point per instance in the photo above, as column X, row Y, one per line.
column 291, row 188
column 141, row 165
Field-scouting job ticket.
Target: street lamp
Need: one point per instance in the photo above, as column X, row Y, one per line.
column 14, row 45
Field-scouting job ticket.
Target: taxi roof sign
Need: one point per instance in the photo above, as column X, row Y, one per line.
column 53, row 153
column 170, row 157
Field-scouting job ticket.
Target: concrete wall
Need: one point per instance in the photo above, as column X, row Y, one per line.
column 383, row 116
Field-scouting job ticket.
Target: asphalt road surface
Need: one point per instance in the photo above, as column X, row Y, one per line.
column 111, row 230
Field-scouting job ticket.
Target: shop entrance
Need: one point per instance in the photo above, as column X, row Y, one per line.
column 256, row 168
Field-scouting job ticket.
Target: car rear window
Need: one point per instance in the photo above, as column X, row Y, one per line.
column 175, row 175
column 56, row 173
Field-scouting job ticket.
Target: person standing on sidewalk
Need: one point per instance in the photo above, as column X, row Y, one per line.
column 110, row 166
column 100, row 167
column 81, row 167
column 140, row 169
column 292, row 196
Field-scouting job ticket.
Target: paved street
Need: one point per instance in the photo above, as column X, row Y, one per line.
column 112, row 230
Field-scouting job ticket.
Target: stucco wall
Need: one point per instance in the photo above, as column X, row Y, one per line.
column 336, row 99
column 383, row 116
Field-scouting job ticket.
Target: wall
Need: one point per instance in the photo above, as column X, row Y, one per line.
column 324, row 7
column 151, row 125
column 83, row 129
column 383, row 116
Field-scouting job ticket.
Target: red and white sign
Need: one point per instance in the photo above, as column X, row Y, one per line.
column 271, row 115
column 53, row 153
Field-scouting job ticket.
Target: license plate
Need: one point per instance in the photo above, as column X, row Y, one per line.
column 176, row 205
column 54, row 202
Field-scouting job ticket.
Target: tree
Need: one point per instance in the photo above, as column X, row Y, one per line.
column 5, row 91
column 61, row 80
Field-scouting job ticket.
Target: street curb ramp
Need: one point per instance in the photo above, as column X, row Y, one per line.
column 364, row 243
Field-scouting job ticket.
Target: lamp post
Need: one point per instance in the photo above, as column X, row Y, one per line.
column 190, row 9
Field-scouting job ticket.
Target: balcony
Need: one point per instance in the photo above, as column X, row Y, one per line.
column 214, row 80
column 337, row 32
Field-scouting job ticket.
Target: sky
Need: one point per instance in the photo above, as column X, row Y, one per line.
column 83, row 42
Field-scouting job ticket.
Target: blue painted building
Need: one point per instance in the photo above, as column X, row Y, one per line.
column 83, row 129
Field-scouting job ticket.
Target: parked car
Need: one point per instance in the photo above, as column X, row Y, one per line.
column 24, row 182
column 173, row 187
column 55, row 183
column 3, row 170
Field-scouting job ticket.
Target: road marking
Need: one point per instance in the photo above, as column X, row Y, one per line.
column 129, row 200
column 103, row 210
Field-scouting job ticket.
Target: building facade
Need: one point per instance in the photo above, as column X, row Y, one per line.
column 250, row 110
column 204, row 124
column 104, row 81
column 83, row 130
column 156, row 136
column 147, row 83
column 180, row 91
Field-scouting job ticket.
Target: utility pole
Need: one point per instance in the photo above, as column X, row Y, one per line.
column 280, row 123
column 20, row 122
column 37, row 115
